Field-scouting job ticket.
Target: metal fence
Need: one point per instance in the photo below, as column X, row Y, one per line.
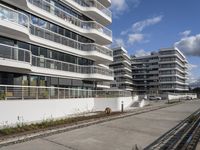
column 10, row 92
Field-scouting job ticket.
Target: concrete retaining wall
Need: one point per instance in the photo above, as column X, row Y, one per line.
column 172, row 96
column 18, row 111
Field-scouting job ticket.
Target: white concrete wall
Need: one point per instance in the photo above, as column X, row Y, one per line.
column 17, row 111
column 171, row 96
column 38, row 110
column 179, row 96
column 114, row 103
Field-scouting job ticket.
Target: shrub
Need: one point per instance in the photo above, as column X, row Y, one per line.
column 108, row 110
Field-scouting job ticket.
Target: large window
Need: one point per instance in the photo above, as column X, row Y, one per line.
column 35, row 80
column 44, row 52
column 57, row 29
column 6, row 41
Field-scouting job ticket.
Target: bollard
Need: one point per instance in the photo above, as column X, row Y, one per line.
column 122, row 106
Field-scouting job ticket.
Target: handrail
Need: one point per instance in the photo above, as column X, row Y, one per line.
column 19, row 54
column 94, row 3
column 16, row 16
column 63, row 40
column 70, row 18
column 65, row 66
column 18, row 92
column 15, row 53
column 67, row 41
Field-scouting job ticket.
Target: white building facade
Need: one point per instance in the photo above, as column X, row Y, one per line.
column 122, row 70
column 55, row 43
column 161, row 72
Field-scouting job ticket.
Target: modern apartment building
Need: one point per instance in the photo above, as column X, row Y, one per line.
column 55, row 43
column 122, row 70
column 160, row 72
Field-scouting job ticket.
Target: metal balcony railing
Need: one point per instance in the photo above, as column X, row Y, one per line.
column 14, row 53
column 65, row 66
column 96, row 4
column 89, row 25
column 55, row 37
column 23, row 55
column 23, row 20
column 13, row 92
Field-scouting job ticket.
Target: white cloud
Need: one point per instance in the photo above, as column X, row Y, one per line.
column 118, row 42
column 185, row 33
column 118, row 7
column 141, row 25
column 141, row 52
column 189, row 45
column 135, row 38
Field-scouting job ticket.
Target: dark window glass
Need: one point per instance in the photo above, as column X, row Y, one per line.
column 54, row 81
column 55, row 55
column 23, row 45
column 35, row 50
column 61, row 31
column 43, row 52
column 61, row 56
column 6, row 41
column 34, row 81
column 42, row 81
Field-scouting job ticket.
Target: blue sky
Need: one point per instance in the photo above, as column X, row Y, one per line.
column 142, row 26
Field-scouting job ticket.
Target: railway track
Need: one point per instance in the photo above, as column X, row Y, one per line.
column 184, row 136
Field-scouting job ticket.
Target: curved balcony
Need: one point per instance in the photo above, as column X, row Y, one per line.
column 91, row 29
column 13, row 23
column 94, row 9
column 106, row 3
column 70, row 69
column 20, row 60
column 16, row 24
column 91, row 8
column 14, row 59
column 91, row 50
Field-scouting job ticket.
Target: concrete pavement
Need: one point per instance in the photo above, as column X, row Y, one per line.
column 121, row 134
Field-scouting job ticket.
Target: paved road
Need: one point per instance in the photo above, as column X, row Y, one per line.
column 121, row 134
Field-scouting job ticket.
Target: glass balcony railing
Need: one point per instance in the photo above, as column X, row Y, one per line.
column 55, row 37
column 19, row 54
column 65, row 66
column 89, row 25
column 14, row 53
column 10, row 15
column 96, row 4
column 23, row 20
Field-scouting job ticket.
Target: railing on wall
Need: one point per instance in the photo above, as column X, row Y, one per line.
column 13, row 92
column 13, row 16
column 70, row 18
column 23, row 55
column 96, row 4
column 16, row 17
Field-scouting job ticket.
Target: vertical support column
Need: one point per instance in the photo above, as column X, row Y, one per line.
column 6, row 90
column 58, row 93
column 22, row 93
column 37, row 93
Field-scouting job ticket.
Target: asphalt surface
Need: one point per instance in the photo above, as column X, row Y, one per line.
column 121, row 134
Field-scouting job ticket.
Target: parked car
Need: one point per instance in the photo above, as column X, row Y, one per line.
column 155, row 98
